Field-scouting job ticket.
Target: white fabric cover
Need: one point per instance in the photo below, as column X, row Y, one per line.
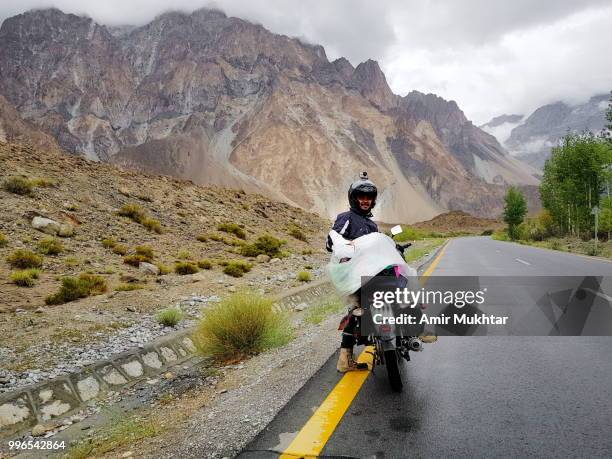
column 369, row 255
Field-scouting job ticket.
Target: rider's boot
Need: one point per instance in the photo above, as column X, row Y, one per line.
column 347, row 363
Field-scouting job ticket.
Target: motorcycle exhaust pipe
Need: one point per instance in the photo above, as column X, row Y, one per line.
column 415, row 345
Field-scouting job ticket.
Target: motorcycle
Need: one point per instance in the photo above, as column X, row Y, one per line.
column 366, row 267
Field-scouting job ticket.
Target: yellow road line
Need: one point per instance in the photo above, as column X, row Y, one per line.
column 311, row 439
column 433, row 264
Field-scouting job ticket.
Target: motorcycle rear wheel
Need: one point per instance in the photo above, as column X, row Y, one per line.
column 392, row 362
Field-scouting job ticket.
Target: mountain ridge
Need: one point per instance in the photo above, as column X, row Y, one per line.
column 222, row 101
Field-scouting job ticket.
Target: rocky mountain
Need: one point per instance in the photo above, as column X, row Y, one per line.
column 532, row 138
column 221, row 101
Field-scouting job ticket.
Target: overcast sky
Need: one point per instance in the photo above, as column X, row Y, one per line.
column 491, row 56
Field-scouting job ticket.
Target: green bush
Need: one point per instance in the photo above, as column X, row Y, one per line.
column 152, row 225
column 145, row 251
column 236, row 268
column 232, row 228
column 298, row 234
column 241, row 325
column 304, row 276
column 18, row 185
column 129, row 287
column 24, row 259
column 26, row 277
column 163, row 269
column 108, row 243
column 184, row 255
column 135, row 260
column 3, row 240
column 184, row 268
column 266, row 244
column 205, row 264
column 132, row 211
column 119, row 249
column 169, row 317
column 50, row 246
column 43, row 182
column 74, row 288
column 135, row 213
column 501, row 235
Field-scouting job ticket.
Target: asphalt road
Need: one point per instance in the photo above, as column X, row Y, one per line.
column 475, row 396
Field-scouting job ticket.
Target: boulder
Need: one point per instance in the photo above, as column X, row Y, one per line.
column 46, row 225
column 274, row 260
column 263, row 258
column 148, row 268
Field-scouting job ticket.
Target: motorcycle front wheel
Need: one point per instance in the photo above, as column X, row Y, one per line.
column 392, row 362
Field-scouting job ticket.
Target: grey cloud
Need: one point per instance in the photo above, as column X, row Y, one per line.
column 490, row 56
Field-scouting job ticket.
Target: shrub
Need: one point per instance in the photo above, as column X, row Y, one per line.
column 308, row 267
column 169, row 317
column 202, row 238
column 129, row 287
column 24, row 259
column 26, row 277
column 119, row 249
column 50, row 246
column 18, row 185
column 501, row 235
column 266, row 244
column 304, row 276
column 133, row 212
column 108, row 243
column 145, row 251
column 240, row 325
column 205, row 264
column 3, row 240
column 183, row 268
column 152, row 225
column 72, row 261
column 232, row 228
column 216, row 238
column 184, row 255
column 298, row 234
column 163, row 269
column 487, row 232
column 73, row 288
column 236, row 268
column 135, row 260
column 555, row 245
column 43, row 182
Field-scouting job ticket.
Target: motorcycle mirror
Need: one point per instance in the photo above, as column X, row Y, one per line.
column 397, row 229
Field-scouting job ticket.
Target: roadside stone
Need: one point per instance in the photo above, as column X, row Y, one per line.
column 148, row 268
column 274, row 260
column 263, row 258
column 300, row 307
column 46, row 225
column 39, row 311
column 39, row 430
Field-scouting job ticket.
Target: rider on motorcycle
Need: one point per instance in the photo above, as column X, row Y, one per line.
column 351, row 225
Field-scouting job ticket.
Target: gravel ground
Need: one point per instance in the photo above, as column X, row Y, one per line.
column 255, row 393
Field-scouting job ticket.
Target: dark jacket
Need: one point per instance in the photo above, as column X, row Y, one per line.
column 350, row 225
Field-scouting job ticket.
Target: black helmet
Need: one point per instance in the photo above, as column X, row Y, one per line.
column 363, row 186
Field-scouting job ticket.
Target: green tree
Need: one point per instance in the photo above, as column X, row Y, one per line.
column 575, row 176
column 605, row 216
column 514, row 210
